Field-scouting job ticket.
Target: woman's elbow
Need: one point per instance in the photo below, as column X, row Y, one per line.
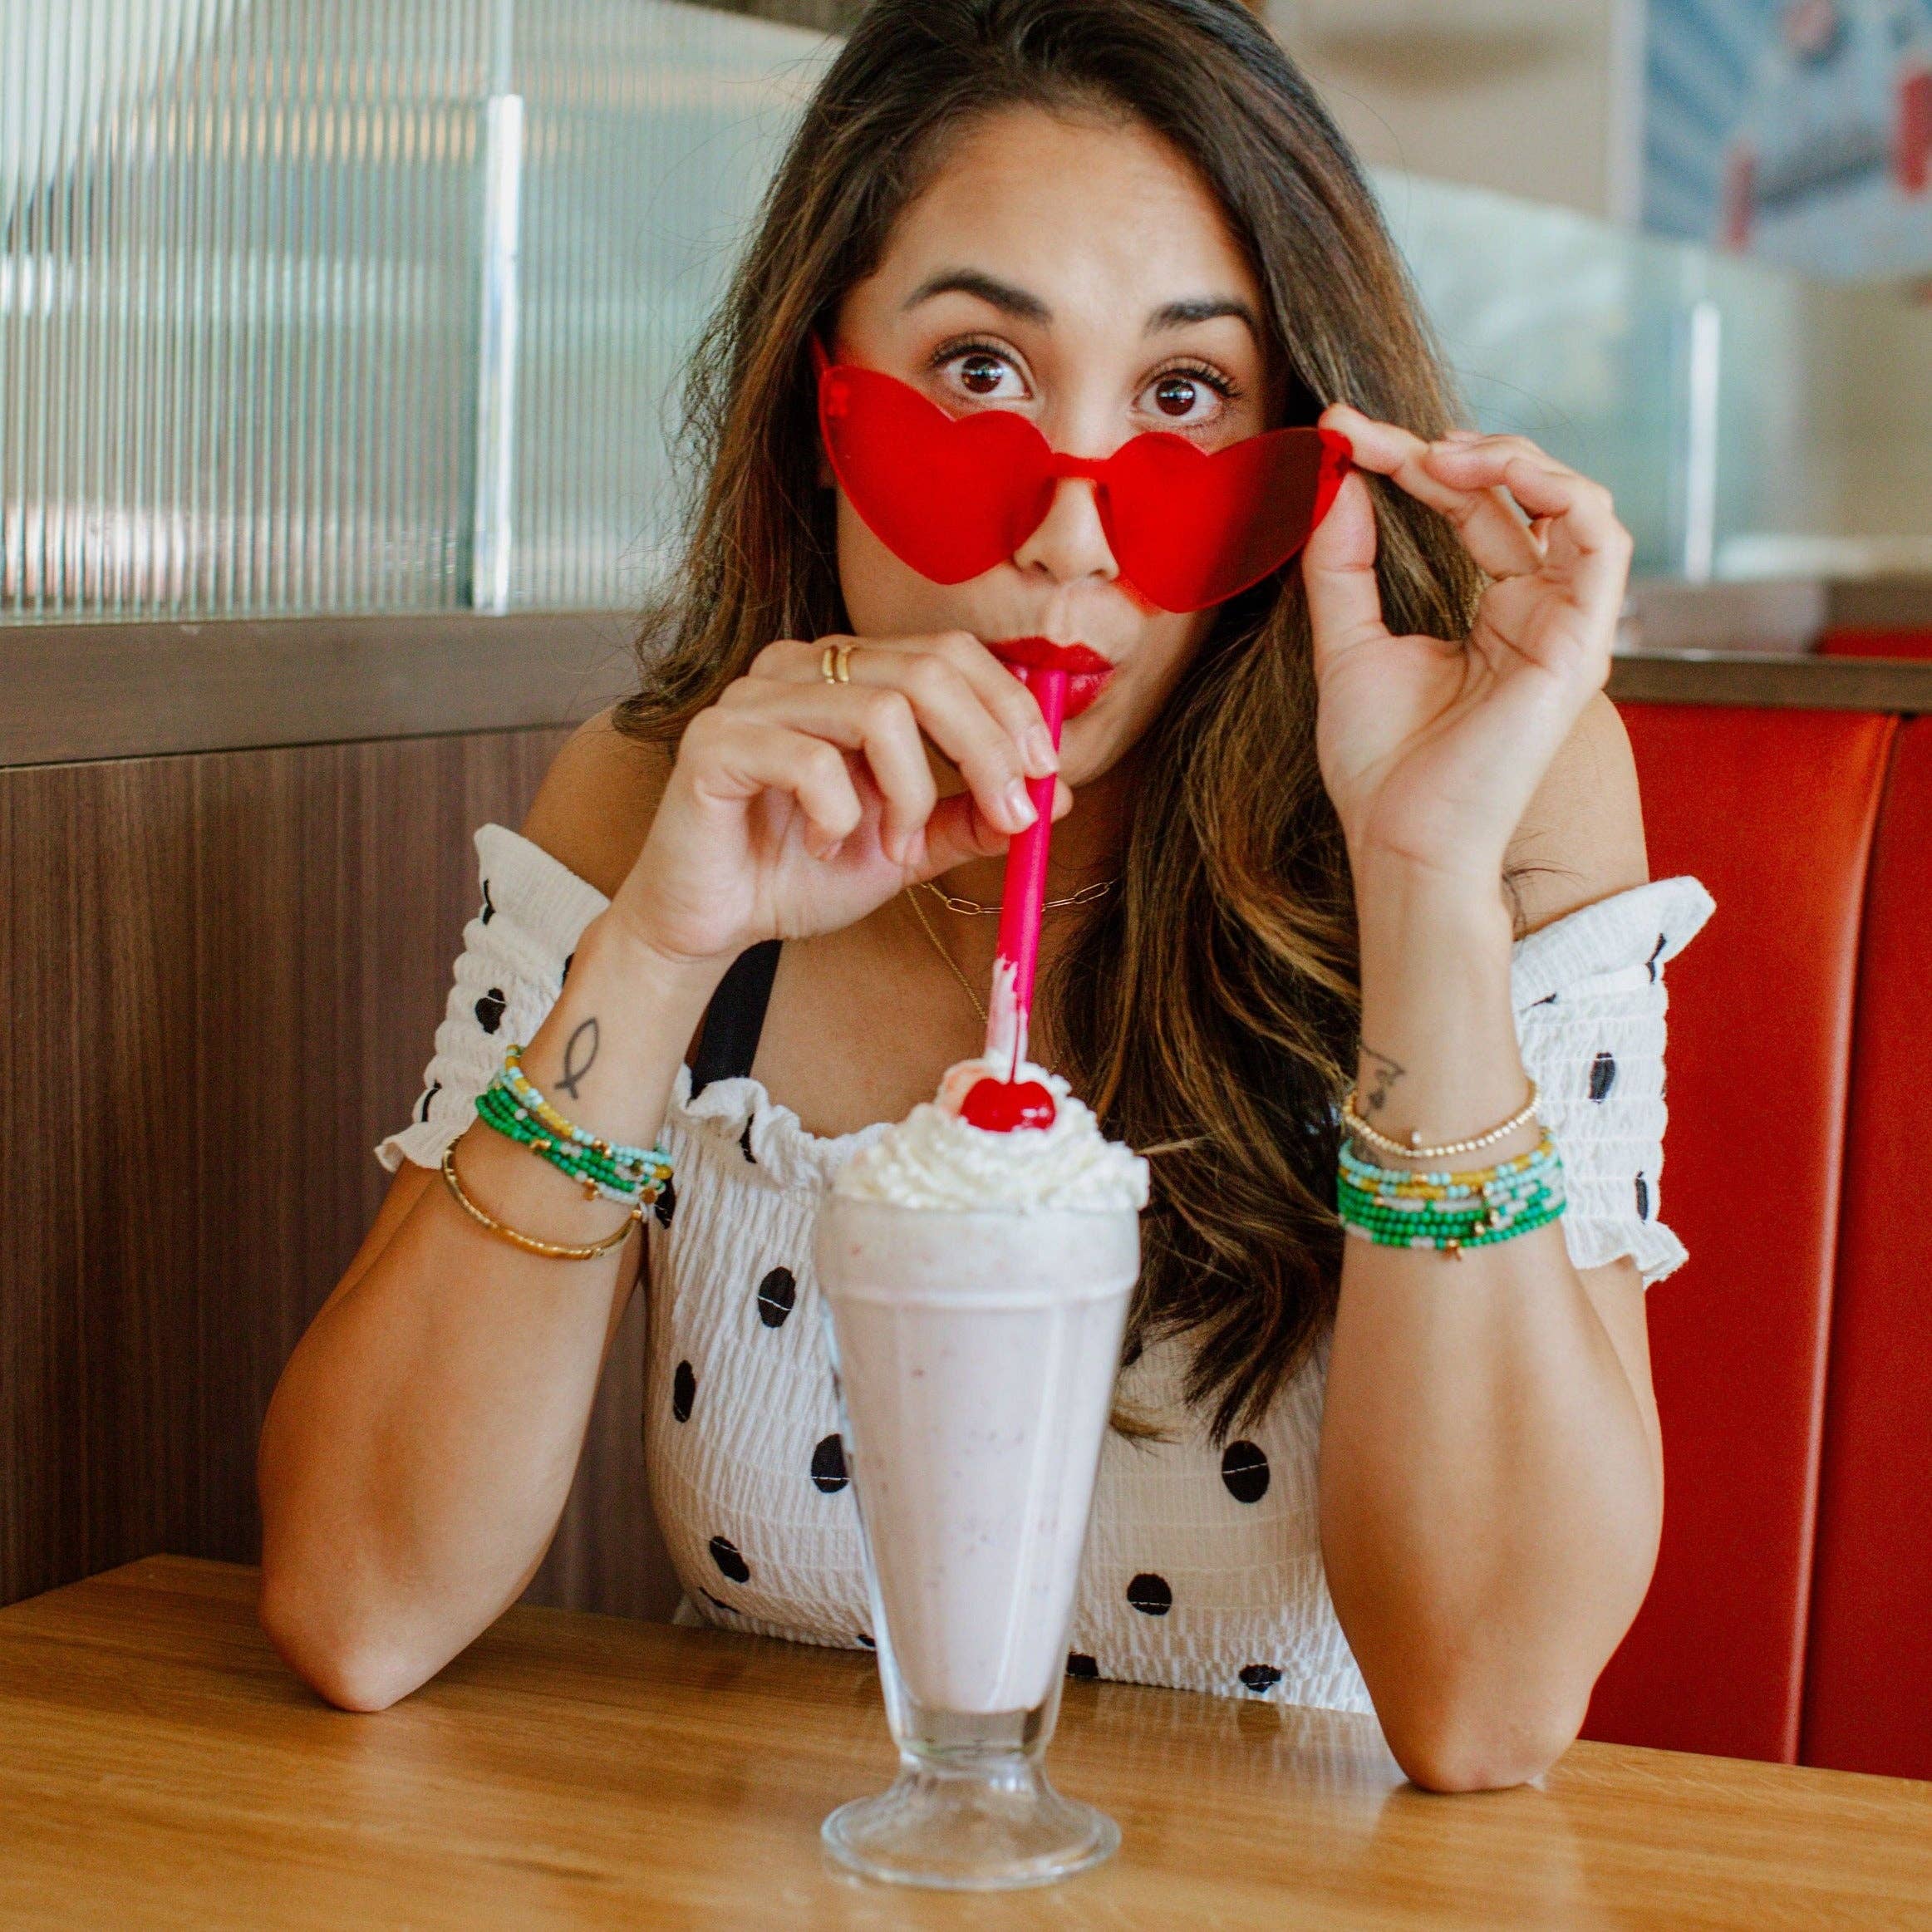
column 1479, row 1750
column 354, row 1669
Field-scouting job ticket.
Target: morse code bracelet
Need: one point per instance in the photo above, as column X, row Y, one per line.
column 1413, row 1149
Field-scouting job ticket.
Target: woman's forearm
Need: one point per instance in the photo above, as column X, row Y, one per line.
column 1490, row 1500
column 422, row 1440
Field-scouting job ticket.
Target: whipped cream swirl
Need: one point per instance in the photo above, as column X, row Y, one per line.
column 936, row 1160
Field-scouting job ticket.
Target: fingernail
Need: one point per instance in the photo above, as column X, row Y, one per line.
column 1041, row 758
column 1019, row 811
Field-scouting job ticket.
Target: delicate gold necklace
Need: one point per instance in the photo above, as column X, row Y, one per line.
column 972, row 909
column 925, row 927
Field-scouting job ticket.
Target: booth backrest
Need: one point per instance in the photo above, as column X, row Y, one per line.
column 1774, row 810
column 1868, row 1691
column 1860, row 643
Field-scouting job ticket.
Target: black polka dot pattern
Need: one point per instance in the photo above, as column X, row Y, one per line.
column 1244, row 1469
column 725, row 1555
column 489, row 912
column 563, row 977
column 423, row 1112
column 744, row 1145
column 828, row 1465
column 1643, row 1198
column 778, row 1293
column 1602, row 1075
column 489, row 1009
column 718, row 1602
column 1260, row 1677
column 667, row 1205
column 1650, row 964
column 684, row 1391
column 1547, row 999
column 1152, row 1596
column 866, row 1641
column 1080, row 1665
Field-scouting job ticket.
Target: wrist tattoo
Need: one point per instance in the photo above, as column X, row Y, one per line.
column 579, row 1057
column 1383, row 1074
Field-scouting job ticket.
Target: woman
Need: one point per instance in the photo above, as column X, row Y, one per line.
column 1345, row 1474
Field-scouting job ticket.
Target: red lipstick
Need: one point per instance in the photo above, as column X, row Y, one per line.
column 1087, row 671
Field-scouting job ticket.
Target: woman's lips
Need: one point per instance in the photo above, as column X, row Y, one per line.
column 1087, row 671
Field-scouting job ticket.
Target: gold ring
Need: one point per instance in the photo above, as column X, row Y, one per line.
column 828, row 658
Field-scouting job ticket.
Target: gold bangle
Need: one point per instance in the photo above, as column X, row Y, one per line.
column 550, row 1251
column 1414, row 1150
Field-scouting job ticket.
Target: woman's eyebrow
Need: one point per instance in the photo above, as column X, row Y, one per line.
column 1003, row 296
column 1202, row 308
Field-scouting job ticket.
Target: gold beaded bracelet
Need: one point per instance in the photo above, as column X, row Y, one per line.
column 1413, row 1149
column 550, row 1251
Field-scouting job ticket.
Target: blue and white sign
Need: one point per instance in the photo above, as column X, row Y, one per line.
column 1797, row 130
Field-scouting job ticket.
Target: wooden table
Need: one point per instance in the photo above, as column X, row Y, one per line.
column 159, row 1768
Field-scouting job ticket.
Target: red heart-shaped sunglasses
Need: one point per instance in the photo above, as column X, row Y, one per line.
column 953, row 496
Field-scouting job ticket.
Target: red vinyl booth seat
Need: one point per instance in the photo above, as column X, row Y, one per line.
column 1850, row 643
column 1868, row 1694
column 1774, row 811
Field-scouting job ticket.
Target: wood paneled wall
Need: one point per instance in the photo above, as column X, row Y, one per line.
column 221, row 975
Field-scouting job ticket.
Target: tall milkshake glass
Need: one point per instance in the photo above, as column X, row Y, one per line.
column 977, row 1353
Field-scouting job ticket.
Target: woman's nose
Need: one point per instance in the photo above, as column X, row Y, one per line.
column 1071, row 542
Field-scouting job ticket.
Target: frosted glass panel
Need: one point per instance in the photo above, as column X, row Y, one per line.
column 237, row 303
column 313, row 306
column 243, row 274
column 1695, row 385
column 653, row 132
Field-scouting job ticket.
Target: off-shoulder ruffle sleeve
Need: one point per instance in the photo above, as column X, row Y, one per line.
column 1588, row 991
column 515, row 953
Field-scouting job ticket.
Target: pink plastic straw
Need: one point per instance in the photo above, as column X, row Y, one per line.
column 1025, row 892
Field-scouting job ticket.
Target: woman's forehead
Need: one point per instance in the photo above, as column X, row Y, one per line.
column 1090, row 219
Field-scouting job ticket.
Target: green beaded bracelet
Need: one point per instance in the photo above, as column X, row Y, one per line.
column 511, row 1106
column 1449, row 1212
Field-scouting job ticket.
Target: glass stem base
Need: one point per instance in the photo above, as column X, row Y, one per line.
column 994, row 1826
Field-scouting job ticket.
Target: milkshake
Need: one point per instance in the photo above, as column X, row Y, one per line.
column 977, row 1283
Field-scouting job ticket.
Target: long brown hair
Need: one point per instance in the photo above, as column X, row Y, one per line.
column 1209, row 1010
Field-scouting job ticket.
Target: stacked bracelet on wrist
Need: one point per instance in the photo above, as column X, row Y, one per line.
column 630, row 1176
column 1415, row 1148
column 1450, row 1211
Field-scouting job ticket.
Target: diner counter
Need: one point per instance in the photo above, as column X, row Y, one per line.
column 161, row 1768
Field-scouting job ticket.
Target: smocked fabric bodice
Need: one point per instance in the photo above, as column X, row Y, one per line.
column 1203, row 1565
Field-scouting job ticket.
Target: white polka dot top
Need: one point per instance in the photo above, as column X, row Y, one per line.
column 1203, row 1567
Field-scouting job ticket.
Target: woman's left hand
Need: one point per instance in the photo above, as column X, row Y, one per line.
column 1432, row 749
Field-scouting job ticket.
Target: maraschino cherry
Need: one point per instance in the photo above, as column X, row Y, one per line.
column 1001, row 1106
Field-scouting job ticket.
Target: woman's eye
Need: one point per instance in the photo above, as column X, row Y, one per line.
column 980, row 373
column 1184, row 398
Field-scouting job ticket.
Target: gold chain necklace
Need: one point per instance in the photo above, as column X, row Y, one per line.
column 972, row 909
column 925, row 927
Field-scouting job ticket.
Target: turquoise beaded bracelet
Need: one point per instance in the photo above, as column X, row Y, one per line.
column 512, row 1105
column 1449, row 1212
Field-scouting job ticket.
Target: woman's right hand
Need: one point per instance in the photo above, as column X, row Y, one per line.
column 797, row 806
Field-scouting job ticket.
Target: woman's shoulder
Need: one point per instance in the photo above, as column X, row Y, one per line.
column 1581, row 838
column 595, row 806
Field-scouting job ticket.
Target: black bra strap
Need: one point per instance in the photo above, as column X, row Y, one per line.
column 728, row 1041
